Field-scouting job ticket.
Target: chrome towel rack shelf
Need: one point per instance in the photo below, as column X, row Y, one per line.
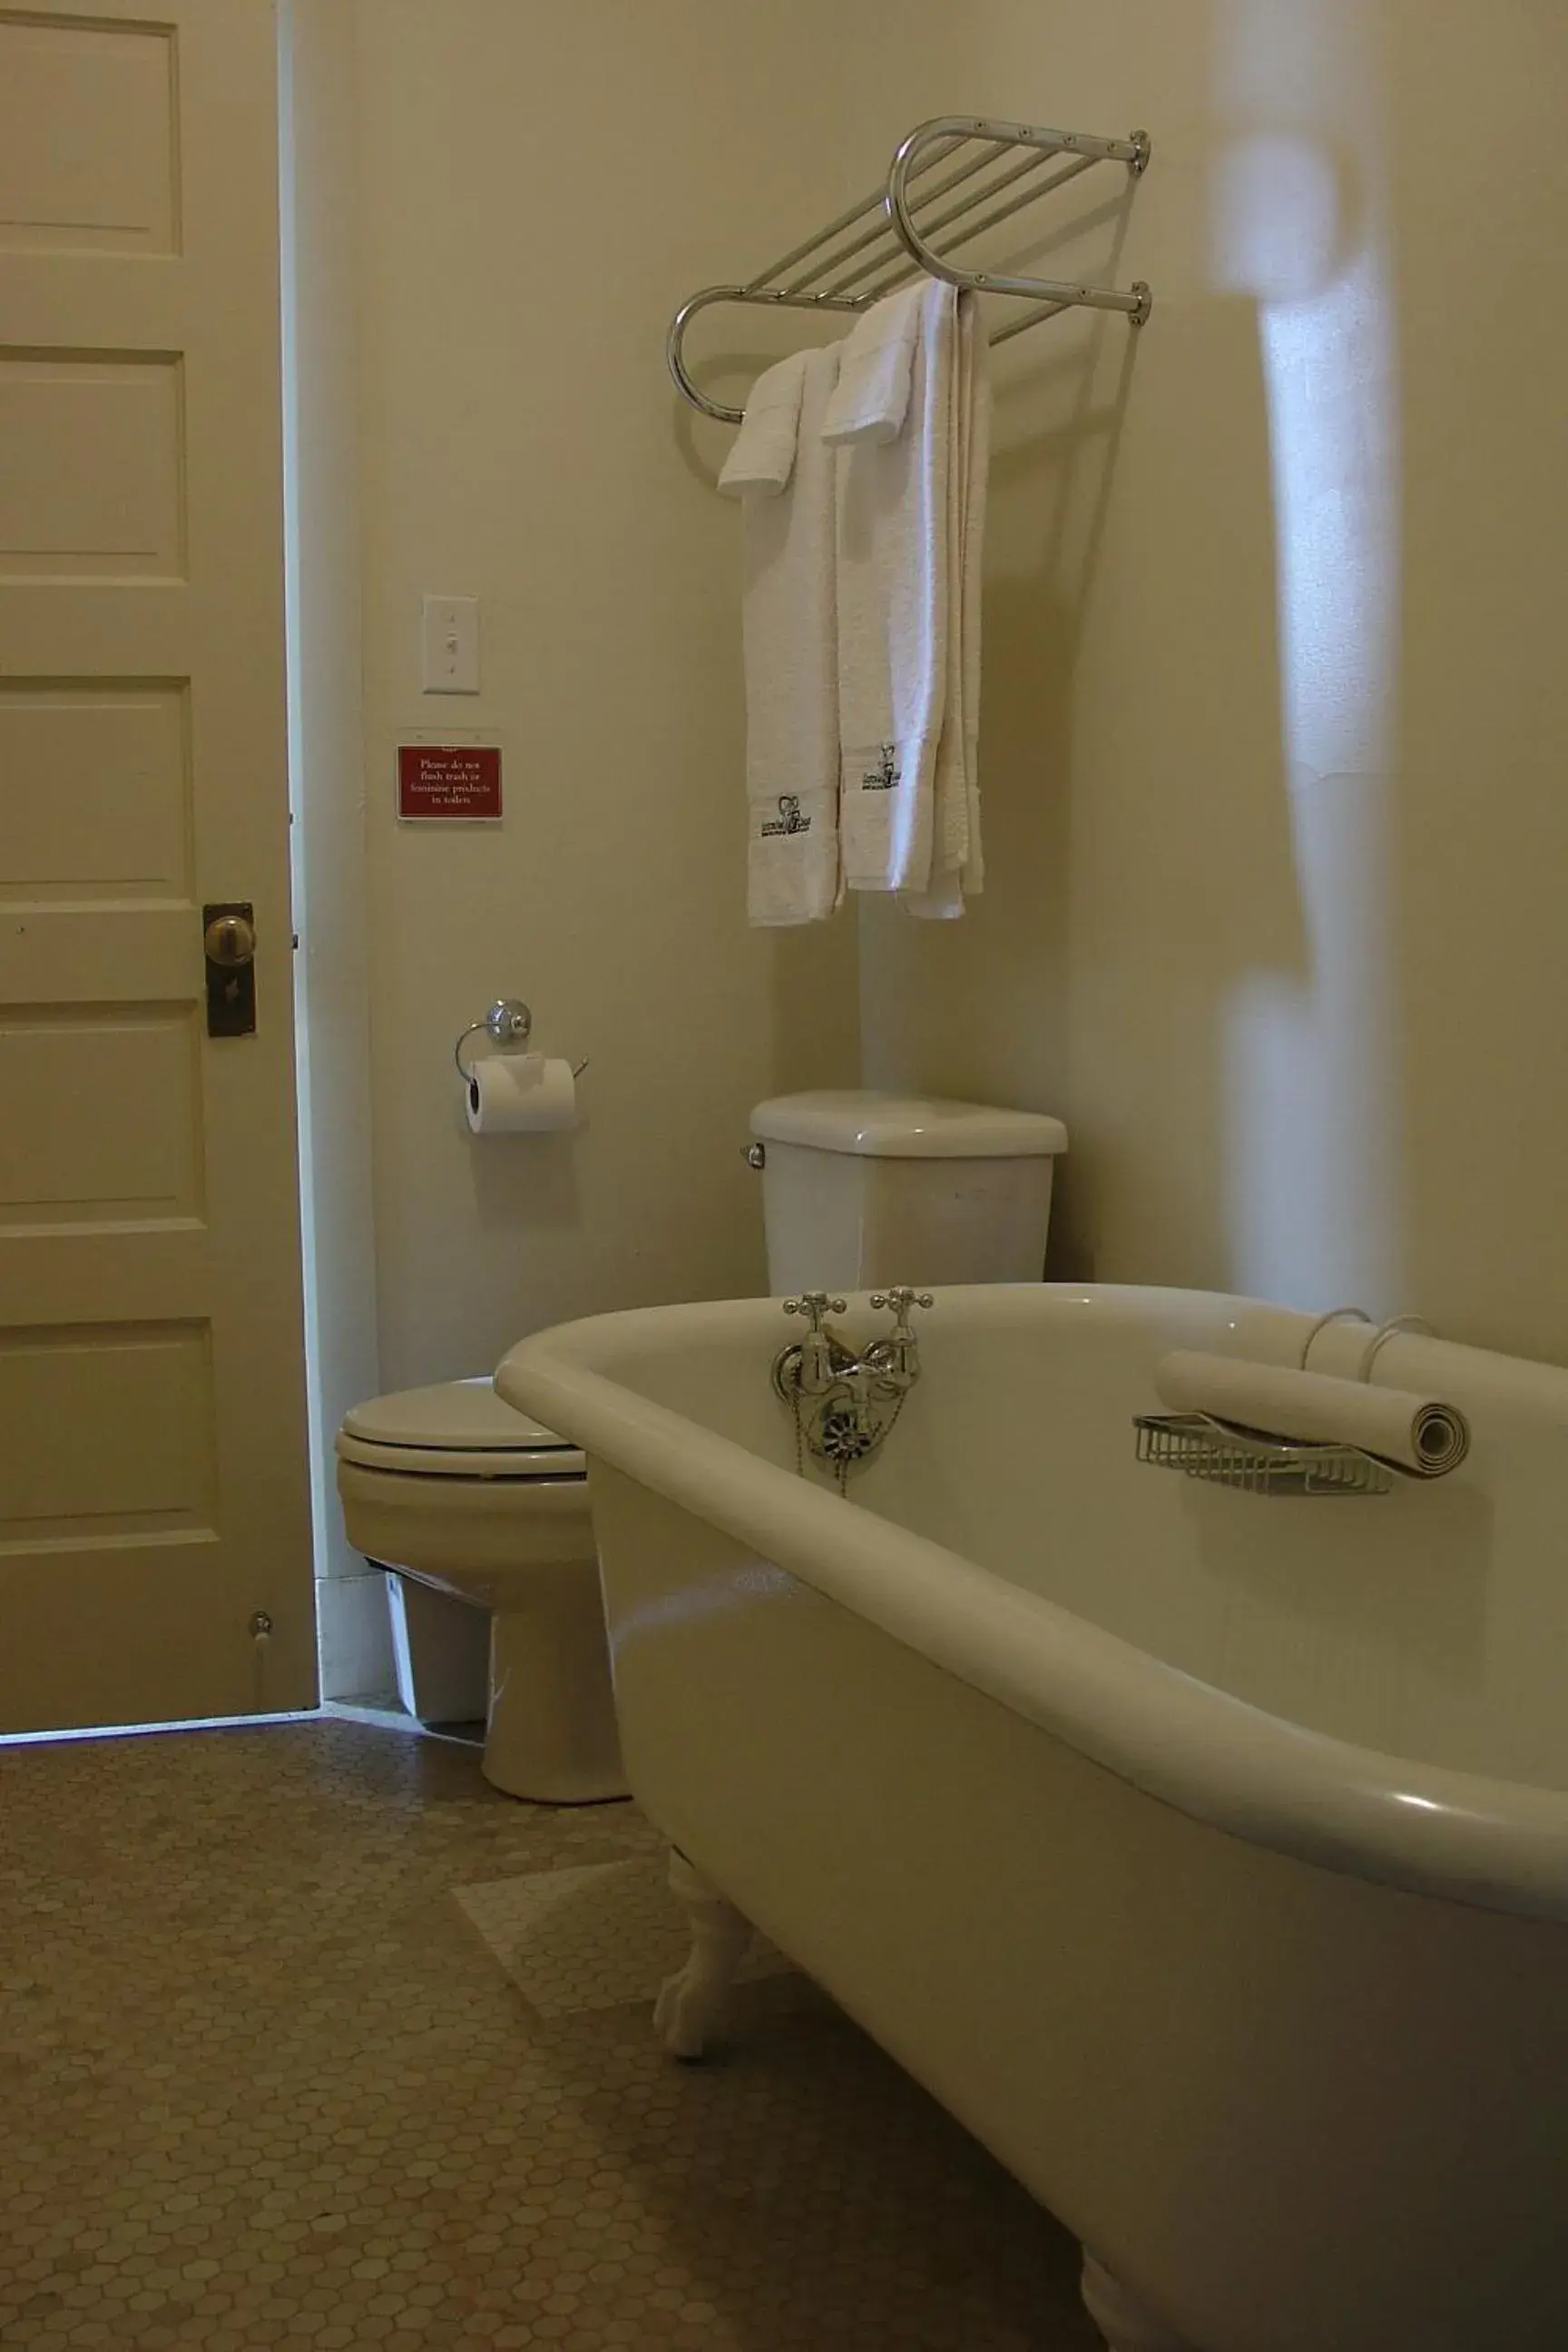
column 907, row 227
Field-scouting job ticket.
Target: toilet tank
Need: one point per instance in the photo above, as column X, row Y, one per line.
column 861, row 1190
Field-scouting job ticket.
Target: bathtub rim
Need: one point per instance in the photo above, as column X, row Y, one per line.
column 1464, row 1837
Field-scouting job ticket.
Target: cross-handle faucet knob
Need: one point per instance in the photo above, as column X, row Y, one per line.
column 901, row 1298
column 900, row 1350
column 816, row 1374
column 816, row 1305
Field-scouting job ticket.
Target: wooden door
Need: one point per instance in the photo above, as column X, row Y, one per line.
column 154, row 1496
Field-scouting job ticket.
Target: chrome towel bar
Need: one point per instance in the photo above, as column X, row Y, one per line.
column 847, row 266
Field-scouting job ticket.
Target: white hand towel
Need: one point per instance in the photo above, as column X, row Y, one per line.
column 893, row 563
column 957, row 866
column 764, row 453
column 873, row 394
column 792, row 687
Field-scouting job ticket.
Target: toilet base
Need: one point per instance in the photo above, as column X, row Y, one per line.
column 440, row 1650
column 537, row 1673
column 553, row 1737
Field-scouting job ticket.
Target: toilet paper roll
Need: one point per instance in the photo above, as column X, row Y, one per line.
column 522, row 1094
column 1421, row 1433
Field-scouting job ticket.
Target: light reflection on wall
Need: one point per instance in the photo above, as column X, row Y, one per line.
column 1312, row 1069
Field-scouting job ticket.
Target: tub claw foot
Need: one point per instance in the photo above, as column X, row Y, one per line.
column 1127, row 2324
column 690, row 2005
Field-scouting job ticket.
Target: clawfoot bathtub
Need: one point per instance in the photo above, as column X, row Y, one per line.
column 1205, row 1853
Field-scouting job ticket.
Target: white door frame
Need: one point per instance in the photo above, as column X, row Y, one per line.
column 318, row 80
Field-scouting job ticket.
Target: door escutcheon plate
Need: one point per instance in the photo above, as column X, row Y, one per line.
column 228, row 945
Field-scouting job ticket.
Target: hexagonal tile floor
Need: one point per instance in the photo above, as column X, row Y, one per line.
column 598, row 1937
column 262, row 2085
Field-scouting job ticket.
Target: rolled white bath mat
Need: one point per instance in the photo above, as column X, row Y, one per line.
column 1419, row 1433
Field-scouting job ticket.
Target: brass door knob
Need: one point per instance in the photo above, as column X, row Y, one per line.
column 229, row 941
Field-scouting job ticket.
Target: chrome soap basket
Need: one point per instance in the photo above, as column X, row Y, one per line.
column 1255, row 1464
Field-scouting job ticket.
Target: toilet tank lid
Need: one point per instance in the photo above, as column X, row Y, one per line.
column 456, row 1416
column 907, row 1126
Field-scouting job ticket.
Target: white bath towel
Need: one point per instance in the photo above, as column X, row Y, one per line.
column 764, row 453
column 792, row 689
column 873, row 394
column 957, row 867
column 893, row 565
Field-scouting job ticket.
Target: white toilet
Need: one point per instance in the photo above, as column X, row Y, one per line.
column 482, row 1516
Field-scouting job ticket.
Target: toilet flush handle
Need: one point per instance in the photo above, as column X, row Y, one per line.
column 755, row 1155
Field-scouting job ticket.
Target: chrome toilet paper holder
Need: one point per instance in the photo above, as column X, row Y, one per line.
column 508, row 1025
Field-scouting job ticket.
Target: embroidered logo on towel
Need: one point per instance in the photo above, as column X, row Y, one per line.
column 885, row 775
column 788, row 820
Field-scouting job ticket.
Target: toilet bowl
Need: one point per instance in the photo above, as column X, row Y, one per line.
column 476, row 1511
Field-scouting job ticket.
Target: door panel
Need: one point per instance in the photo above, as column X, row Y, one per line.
column 95, row 791
column 115, row 190
column 113, row 1131
column 92, row 466
column 153, row 1476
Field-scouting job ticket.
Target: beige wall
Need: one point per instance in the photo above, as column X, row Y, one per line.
column 541, row 185
column 1275, row 690
column 1271, row 719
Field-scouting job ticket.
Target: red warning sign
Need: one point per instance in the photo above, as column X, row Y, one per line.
column 449, row 780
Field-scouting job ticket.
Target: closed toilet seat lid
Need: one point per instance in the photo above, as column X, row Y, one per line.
column 456, row 1428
